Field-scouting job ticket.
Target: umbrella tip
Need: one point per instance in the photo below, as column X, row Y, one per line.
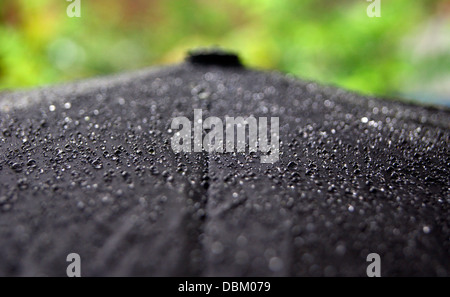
column 213, row 56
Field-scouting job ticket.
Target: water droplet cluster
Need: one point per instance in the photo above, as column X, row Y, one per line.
column 88, row 167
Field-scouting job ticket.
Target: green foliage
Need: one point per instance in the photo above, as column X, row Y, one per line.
column 329, row 41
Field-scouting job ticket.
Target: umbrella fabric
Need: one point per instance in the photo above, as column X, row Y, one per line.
column 88, row 168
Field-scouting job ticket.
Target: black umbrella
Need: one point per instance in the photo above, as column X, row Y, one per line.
column 89, row 168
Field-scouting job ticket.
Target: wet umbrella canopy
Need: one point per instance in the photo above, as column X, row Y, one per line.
column 88, row 168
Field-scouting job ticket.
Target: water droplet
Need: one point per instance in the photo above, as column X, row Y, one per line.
column 16, row 167
column 217, row 248
column 276, row 264
column 97, row 164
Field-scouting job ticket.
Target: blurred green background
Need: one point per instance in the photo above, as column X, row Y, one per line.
column 404, row 53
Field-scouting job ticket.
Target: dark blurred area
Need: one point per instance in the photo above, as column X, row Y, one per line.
column 405, row 53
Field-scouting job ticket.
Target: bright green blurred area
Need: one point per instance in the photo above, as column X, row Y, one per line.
column 405, row 52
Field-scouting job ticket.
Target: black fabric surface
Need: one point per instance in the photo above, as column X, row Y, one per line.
column 88, row 168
